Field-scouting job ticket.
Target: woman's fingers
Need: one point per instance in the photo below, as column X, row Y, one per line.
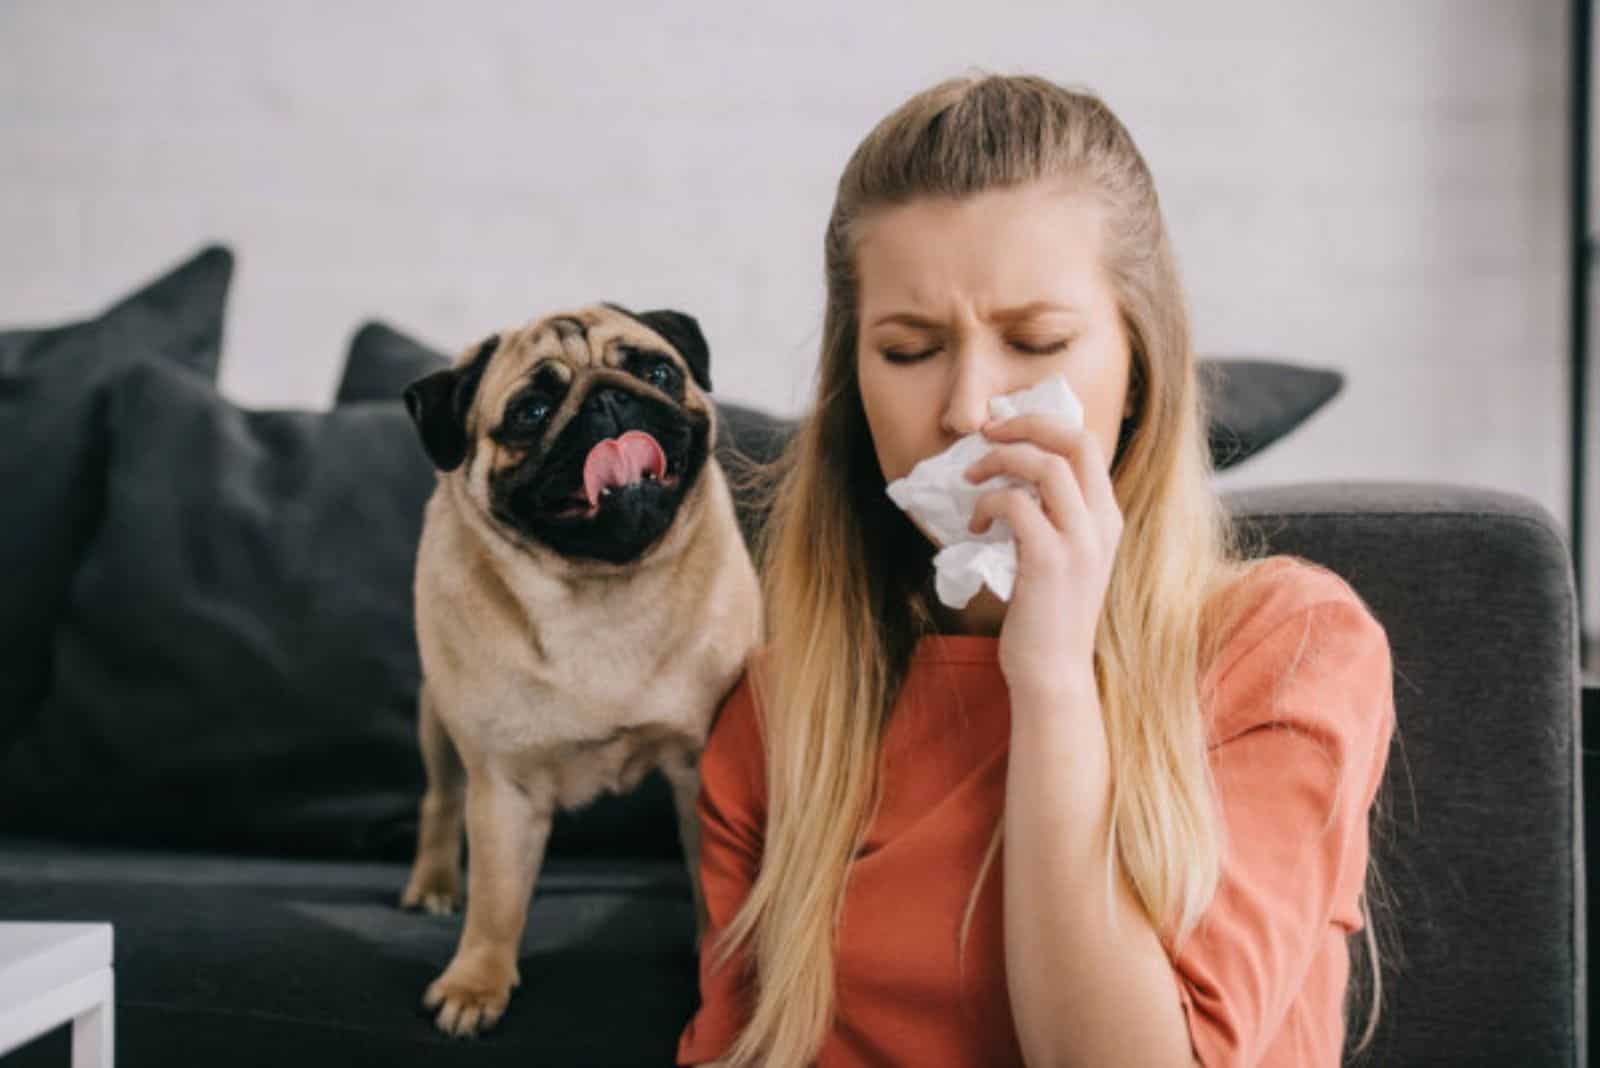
column 1062, row 500
column 1082, row 452
column 1034, row 531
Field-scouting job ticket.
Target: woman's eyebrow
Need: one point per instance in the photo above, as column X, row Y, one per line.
column 1022, row 311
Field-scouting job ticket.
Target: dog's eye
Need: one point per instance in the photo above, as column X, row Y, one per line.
column 530, row 412
column 660, row 376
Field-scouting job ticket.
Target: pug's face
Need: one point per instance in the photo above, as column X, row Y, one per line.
column 582, row 432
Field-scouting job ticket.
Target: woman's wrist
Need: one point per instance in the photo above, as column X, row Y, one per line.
column 1067, row 686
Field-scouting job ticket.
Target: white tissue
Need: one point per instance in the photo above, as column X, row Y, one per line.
column 941, row 500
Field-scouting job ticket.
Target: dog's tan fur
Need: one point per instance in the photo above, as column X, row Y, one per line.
column 548, row 680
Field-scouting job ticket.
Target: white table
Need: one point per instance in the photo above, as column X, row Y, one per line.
column 51, row 973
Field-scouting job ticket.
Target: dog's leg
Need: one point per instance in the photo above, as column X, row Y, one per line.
column 507, row 829
column 683, row 773
column 435, row 883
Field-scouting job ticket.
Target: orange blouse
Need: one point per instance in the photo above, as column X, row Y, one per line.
column 1300, row 709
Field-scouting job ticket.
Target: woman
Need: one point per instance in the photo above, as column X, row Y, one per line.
column 1179, row 743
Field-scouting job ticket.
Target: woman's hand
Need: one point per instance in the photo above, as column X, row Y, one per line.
column 1066, row 542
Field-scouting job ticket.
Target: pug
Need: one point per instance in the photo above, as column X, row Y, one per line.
column 584, row 603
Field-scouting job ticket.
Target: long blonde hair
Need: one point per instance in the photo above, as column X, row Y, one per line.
column 845, row 576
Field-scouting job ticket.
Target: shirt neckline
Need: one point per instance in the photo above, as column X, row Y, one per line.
column 957, row 649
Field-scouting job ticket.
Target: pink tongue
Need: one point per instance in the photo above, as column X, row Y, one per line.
column 620, row 461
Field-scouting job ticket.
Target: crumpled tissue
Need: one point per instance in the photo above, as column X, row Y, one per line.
column 940, row 500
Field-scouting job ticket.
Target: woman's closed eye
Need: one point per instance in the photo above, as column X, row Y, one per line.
column 903, row 356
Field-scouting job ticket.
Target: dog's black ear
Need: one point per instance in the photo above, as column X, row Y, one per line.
column 438, row 404
column 431, row 402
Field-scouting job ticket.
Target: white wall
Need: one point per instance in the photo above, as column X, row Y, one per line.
column 1370, row 186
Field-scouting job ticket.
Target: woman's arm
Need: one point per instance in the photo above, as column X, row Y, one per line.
column 1084, row 991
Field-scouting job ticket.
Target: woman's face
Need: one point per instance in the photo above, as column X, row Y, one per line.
column 963, row 300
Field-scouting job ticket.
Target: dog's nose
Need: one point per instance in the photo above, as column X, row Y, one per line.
column 610, row 404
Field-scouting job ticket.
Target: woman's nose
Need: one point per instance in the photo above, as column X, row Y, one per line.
column 967, row 402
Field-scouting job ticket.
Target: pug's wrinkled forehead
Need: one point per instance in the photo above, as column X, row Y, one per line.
column 599, row 342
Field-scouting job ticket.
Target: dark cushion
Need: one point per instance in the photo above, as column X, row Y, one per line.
column 52, row 385
column 18, row 340
column 236, row 662
column 381, row 362
column 1252, row 402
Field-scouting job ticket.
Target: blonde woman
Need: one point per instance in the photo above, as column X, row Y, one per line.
column 1179, row 744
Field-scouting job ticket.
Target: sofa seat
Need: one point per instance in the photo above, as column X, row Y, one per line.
column 225, row 959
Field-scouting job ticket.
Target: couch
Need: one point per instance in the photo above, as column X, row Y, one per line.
column 207, row 740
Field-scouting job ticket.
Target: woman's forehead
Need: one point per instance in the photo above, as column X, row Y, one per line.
column 1007, row 251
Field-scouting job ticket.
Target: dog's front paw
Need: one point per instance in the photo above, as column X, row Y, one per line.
column 434, row 890
column 471, row 995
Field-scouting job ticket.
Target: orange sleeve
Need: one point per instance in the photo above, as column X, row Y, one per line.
column 731, row 810
column 1302, row 725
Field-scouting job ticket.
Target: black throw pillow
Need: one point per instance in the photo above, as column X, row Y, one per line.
column 237, row 663
column 1254, row 403
column 52, row 390
column 15, row 341
column 234, row 665
column 381, row 362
